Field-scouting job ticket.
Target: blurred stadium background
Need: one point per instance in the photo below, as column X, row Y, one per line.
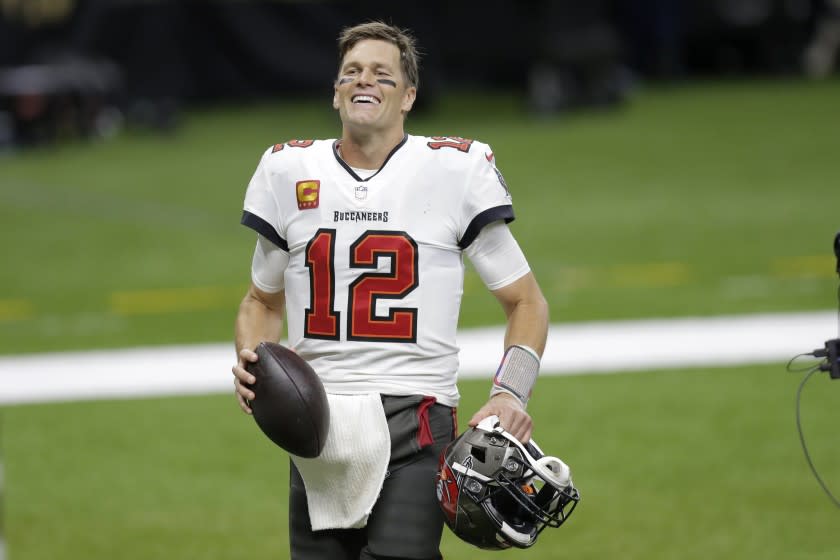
column 668, row 159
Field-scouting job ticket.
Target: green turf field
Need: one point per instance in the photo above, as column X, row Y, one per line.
column 688, row 465
column 692, row 200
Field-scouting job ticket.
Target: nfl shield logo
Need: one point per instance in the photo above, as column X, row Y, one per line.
column 361, row 192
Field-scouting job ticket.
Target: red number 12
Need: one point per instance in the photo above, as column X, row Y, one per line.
column 322, row 320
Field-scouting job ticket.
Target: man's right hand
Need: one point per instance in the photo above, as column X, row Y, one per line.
column 241, row 376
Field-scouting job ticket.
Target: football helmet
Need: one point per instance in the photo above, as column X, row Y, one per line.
column 496, row 492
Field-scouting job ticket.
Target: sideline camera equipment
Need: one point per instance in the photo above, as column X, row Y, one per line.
column 831, row 363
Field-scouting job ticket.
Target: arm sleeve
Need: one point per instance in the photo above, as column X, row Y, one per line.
column 268, row 265
column 497, row 257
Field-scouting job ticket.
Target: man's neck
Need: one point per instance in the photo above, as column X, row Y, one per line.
column 368, row 151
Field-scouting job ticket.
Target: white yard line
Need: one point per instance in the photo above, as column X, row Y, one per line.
column 596, row 347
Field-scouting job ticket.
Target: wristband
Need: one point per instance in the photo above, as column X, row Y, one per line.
column 517, row 373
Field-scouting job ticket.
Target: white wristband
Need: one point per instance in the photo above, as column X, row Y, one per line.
column 517, row 373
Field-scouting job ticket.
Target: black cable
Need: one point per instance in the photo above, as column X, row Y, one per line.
column 806, row 368
column 802, row 437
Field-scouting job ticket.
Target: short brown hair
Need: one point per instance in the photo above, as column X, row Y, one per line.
column 378, row 30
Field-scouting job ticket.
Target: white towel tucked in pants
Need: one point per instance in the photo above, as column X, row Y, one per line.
column 343, row 483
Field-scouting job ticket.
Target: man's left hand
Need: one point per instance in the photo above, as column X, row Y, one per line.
column 511, row 413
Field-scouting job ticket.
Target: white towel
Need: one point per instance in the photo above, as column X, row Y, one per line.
column 343, row 483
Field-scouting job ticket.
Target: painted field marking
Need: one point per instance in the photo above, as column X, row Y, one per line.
column 15, row 309
column 596, row 347
column 174, row 300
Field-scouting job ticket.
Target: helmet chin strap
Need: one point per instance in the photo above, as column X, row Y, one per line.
column 522, row 539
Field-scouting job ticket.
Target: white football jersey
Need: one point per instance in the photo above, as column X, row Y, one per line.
column 375, row 274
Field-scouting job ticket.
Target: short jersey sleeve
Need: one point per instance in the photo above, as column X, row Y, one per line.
column 487, row 198
column 261, row 209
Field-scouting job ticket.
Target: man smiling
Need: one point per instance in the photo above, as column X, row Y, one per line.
column 372, row 96
column 360, row 249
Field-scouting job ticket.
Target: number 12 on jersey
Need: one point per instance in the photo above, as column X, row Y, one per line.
column 323, row 321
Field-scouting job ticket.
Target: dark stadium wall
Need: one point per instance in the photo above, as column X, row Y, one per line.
column 151, row 57
column 214, row 49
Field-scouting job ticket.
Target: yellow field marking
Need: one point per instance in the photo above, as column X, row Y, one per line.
column 652, row 275
column 566, row 279
column 15, row 309
column 819, row 266
column 175, row 300
column 573, row 278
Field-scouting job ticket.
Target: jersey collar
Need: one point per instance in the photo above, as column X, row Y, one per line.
column 350, row 169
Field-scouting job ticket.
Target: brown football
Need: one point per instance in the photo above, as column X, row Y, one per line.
column 290, row 405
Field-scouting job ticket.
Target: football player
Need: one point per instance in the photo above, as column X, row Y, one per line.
column 360, row 246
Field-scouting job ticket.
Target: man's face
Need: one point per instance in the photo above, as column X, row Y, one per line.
column 371, row 91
